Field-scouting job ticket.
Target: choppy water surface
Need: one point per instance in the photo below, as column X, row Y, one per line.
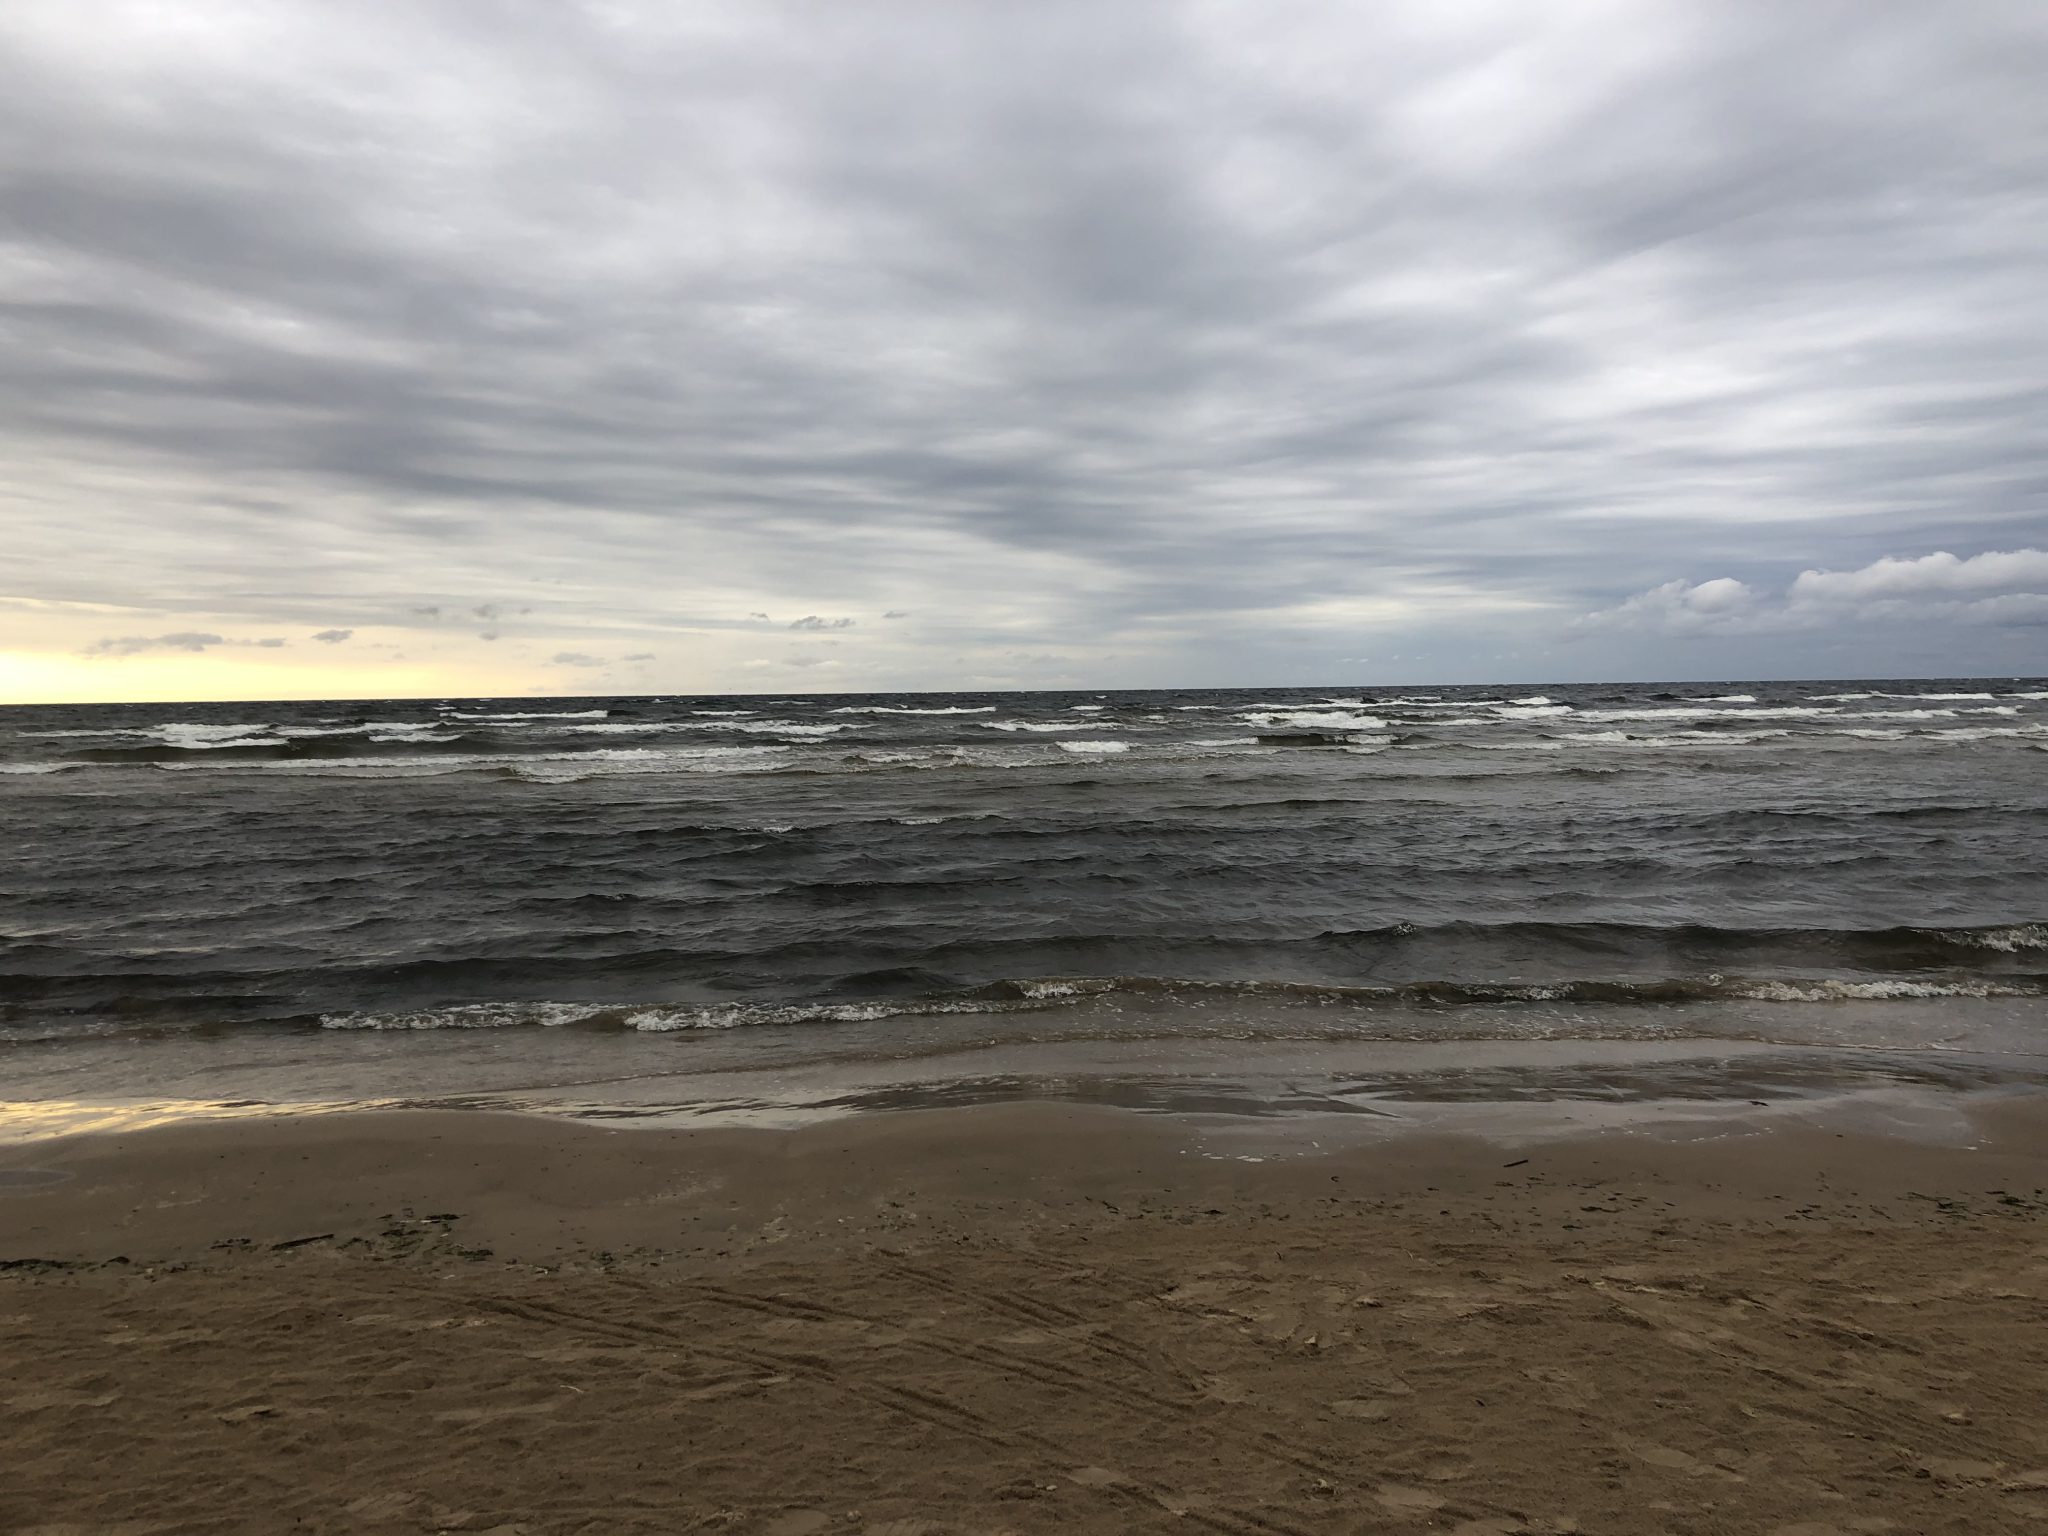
column 1797, row 862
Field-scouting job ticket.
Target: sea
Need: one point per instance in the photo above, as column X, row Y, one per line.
column 1349, row 906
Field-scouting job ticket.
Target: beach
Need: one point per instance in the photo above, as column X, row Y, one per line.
column 1023, row 1317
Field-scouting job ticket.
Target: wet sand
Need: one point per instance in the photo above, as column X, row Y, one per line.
column 1021, row 1318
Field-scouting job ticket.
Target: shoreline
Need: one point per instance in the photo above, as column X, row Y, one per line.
column 1021, row 1318
column 1314, row 1083
column 171, row 1191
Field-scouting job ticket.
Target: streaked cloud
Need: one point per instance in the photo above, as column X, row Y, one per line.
column 1135, row 344
column 182, row 640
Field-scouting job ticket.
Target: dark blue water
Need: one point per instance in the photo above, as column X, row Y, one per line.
column 679, row 863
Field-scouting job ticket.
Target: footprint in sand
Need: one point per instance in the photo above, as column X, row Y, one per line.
column 1399, row 1499
column 1097, row 1477
column 1370, row 1409
column 797, row 1522
column 1944, row 1469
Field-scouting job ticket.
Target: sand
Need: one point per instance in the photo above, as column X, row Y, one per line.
column 1024, row 1319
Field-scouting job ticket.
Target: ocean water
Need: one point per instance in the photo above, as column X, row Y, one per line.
column 452, row 896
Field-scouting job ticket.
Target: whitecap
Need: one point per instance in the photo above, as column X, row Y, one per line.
column 1986, row 732
column 950, row 709
column 1839, row 991
column 2004, row 940
column 746, row 727
column 1316, row 720
column 1096, row 747
column 200, row 737
column 390, row 728
column 1702, row 712
column 551, row 767
column 572, row 714
column 1058, row 725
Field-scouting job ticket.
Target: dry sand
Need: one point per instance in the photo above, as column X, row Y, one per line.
column 1026, row 1319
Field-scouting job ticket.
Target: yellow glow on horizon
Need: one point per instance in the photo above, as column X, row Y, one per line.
column 43, row 677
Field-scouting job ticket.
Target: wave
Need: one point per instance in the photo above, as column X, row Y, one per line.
column 551, row 767
column 571, row 714
column 1314, row 720
column 1899, row 946
column 1400, row 966
column 1045, row 728
column 812, row 750
column 1850, row 698
column 1053, row 992
column 1314, row 739
column 904, row 709
column 198, row 738
column 794, row 728
column 1683, row 712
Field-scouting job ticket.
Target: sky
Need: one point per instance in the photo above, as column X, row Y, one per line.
column 595, row 346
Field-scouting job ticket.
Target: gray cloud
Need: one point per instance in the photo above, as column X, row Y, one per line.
column 812, row 621
column 575, row 659
column 897, row 613
column 130, row 645
column 1149, row 343
column 333, row 636
column 183, row 640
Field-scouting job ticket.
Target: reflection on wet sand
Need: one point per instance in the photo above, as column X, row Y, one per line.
column 1522, row 1090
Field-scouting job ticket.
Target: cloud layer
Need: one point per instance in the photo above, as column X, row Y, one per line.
column 1999, row 589
column 1086, row 344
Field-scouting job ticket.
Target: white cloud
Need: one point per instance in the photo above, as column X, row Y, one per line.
column 1681, row 607
column 1939, row 574
column 1998, row 587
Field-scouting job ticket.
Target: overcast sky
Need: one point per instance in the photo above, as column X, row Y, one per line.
column 613, row 347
